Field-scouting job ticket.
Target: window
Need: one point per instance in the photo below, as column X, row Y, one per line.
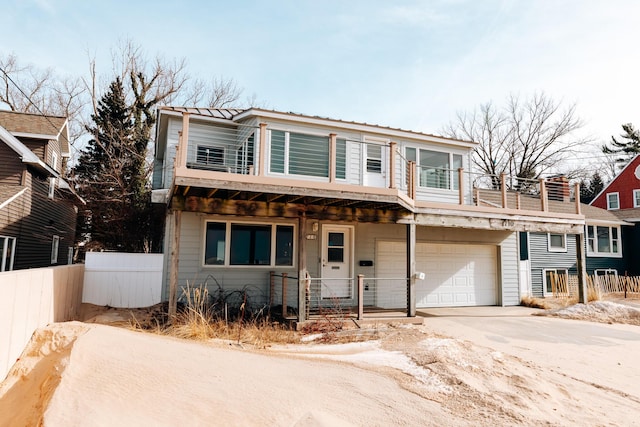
column 636, row 198
column 52, row 187
column 555, row 281
column 302, row 154
column 613, row 201
column 374, row 158
column 246, row 244
column 7, row 252
column 557, row 242
column 436, row 169
column 55, row 245
column 211, row 156
column 603, row 241
column 54, row 160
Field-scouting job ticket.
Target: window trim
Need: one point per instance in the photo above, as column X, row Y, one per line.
column 557, row 249
column 617, row 196
column 595, row 253
column 453, row 174
column 55, row 248
column 544, row 278
column 636, row 198
column 287, row 150
column 227, row 244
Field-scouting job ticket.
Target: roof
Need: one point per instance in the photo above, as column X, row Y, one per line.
column 598, row 214
column 633, row 161
column 234, row 114
column 629, row 215
column 36, row 126
column 26, row 155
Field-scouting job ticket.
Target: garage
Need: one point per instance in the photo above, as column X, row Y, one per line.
column 456, row 274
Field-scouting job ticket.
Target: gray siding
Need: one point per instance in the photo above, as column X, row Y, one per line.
column 542, row 259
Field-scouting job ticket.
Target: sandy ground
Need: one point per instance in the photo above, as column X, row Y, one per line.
column 87, row 374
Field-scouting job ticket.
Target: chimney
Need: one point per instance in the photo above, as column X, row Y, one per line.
column 558, row 188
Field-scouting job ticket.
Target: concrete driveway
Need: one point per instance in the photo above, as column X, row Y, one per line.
column 604, row 355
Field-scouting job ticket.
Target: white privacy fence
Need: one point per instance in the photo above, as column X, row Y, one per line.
column 30, row 299
column 123, row 280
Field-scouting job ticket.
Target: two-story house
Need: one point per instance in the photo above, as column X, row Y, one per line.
column 326, row 201
column 621, row 197
column 37, row 208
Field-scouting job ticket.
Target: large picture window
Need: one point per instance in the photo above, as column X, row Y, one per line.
column 603, row 241
column 235, row 244
column 436, row 169
column 302, row 154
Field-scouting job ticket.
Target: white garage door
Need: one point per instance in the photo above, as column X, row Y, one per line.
column 456, row 274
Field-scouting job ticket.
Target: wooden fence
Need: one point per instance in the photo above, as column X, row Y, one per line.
column 564, row 286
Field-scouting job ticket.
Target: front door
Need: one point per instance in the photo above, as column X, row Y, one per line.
column 336, row 262
column 375, row 164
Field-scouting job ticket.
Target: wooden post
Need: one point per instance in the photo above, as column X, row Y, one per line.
column 175, row 257
column 284, row 295
column 302, row 267
column 392, row 165
column 360, row 296
column 183, row 146
column 411, row 269
column 576, row 194
column 332, row 157
column 581, row 267
column 518, row 201
column 412, row 179
column 461, row 186
column 543, row 196
column 262, row 150
column 272, row 287
column 477, row 196
column 503, row 189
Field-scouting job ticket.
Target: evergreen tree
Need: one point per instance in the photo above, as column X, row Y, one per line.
column 628, row 147
column 111, row 176
column 590, row 189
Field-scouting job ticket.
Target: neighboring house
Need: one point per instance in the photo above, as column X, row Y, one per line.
column 621, row 196
column 324, row 200
column 542, row 254
column 37, row 207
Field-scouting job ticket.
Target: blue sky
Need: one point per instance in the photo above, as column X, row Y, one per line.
column 407, row 64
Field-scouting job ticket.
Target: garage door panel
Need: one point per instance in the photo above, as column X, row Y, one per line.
column 456, row 275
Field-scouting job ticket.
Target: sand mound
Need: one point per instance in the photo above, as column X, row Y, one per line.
column 598, row 311
column 30, row 384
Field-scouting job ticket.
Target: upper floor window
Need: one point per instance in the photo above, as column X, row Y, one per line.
column 435, row 169
column 636, row 198
column 613, row 201
column 302, row 154
column 557, row 242
column 54, row 160
column 603, row 241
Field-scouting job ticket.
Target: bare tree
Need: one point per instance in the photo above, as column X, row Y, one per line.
column 525, row 139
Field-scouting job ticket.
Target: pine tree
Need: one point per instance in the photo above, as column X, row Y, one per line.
column 589, row 190
column 628, row 147
column 111, row 176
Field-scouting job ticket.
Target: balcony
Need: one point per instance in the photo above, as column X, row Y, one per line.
column 258, row 163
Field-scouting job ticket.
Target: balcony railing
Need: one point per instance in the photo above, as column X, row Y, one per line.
column 245, row 150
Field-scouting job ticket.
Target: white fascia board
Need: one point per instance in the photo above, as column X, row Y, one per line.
column 35, row 135
column 359, row 127
column 26, row 155
column 606, row 222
